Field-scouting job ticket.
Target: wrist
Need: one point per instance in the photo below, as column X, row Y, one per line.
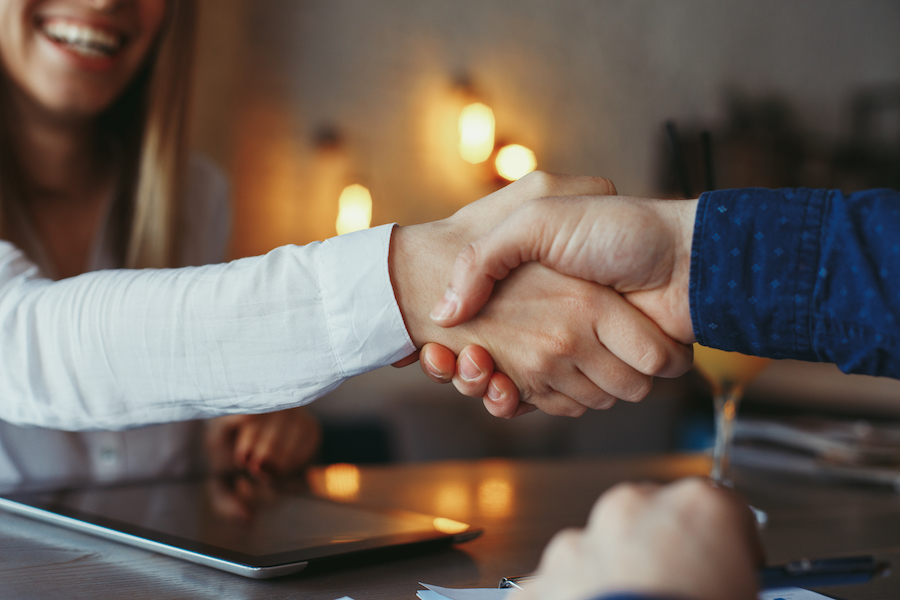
column 685, row 216
column 419, row 263
column 666, row 300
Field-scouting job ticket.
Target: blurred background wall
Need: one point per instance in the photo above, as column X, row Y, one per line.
column 586, row 84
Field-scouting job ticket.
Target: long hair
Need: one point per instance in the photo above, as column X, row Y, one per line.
column 155, row 163
column 148, row 123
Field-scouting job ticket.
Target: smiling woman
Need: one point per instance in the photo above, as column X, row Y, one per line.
column 97, row 176
column 75, row 58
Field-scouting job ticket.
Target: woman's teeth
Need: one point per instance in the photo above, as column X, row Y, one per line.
column 82, row 39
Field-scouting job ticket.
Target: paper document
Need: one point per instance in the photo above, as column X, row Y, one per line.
column 791, row 593
column 435, row 592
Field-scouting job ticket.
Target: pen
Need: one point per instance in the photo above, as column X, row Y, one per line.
column 806, row 572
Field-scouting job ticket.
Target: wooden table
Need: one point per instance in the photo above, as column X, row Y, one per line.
column 520, row 504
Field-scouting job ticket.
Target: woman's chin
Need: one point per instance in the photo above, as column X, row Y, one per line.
column 74, row 102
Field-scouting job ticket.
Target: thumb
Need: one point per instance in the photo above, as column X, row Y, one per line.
column 482, row 263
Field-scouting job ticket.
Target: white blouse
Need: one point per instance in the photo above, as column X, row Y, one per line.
column 116, row 349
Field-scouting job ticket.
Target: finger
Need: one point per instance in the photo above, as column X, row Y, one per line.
column 286, row 455
column 269, row 442
column 743, row 514
column 542, row 183
column 606, row 379
column 245, row 441
column 557, row 404
column 220, row 431
column 438, row 362
column 502, row 398
column 309, row 437
column 637, row 340
column 298, row 441
column 474, row 368
column 403, row 362
column 620, row 503
column 482, row 263
column 581, row 389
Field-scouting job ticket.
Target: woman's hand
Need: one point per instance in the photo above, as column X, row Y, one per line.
column 263, row 445
column 473, row 375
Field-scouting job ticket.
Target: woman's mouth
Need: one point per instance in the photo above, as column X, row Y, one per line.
column 83, row 39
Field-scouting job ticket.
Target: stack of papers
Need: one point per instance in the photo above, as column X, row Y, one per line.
column 441, row 593
column 434, row 592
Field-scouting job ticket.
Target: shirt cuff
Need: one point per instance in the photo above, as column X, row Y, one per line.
column 363, row 318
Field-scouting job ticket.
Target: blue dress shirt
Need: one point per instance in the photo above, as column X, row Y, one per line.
column 796, row 273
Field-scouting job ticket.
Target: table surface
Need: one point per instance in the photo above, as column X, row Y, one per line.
column 521, row 504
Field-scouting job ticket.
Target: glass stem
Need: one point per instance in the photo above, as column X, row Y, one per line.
column 726, row 401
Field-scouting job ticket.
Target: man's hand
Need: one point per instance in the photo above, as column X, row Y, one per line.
column 565, row 344
column 266, row 444
column 687, row 539
column 639, row 247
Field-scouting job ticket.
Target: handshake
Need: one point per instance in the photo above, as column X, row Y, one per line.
column 575, row 299
column 565, row 297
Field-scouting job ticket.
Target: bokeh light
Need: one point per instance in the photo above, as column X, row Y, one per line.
column 476, row 132
column 515, row 161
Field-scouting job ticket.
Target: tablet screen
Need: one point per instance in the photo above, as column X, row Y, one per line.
column 235, row 520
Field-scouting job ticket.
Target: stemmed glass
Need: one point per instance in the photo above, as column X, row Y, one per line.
column 728, row 373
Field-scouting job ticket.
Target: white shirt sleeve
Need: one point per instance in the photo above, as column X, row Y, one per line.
column 122, row 348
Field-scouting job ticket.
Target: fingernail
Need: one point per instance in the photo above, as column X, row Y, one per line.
column 494, row 392
column 446, row 308
column 468, row 369
column 435, row 372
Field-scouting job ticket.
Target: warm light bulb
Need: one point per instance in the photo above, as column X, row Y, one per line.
column 476, row 132
column 515, row 161
column 354, row 209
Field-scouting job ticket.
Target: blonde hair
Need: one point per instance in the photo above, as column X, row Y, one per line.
column 149, row 124
column 157, row 165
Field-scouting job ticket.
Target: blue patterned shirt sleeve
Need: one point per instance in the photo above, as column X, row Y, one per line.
column 796, row 273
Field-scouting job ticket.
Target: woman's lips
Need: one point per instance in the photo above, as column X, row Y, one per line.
column 90, row 46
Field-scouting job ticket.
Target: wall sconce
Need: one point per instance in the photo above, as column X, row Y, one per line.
column 336, row 178
column 477, row 143
column 354, row 209
column 476, row 132
column 514, row 162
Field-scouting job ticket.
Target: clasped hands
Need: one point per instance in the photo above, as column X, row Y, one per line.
column 593, row 291
column 588, row 296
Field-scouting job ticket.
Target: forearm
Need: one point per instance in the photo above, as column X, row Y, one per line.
column 803, row 274
column 115, row 349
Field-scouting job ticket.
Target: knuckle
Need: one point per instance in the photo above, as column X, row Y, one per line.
column 560, row 343
column 468, row 257
column 541, row 182
column 574, row 410
column 637, row 388
column 619, row 501
column 563, row 544
column 602, row 401
column 696, row 495
column 653, row 360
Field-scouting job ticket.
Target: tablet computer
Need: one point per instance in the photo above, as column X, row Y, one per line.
column 213, row 522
